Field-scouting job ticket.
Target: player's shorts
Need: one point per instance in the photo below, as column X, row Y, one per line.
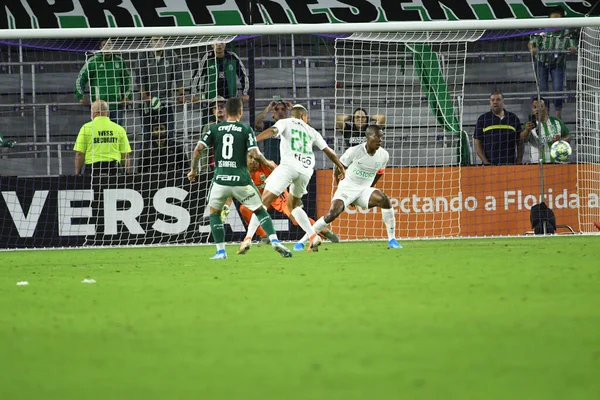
column 284, row 176
column 247, row 195
column 351, row 194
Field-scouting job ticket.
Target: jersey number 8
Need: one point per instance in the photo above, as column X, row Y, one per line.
column 227, row 149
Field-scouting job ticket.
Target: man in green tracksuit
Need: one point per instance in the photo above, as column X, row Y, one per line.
column 109, row 80
column 217, row 75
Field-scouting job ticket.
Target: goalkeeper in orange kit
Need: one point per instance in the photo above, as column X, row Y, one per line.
column 259, row 174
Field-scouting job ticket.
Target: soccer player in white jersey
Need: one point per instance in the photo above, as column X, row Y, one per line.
column 295, row 170
column 364, row 166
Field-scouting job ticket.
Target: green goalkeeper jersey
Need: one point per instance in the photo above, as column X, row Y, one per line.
column 231, row 142
column 108, row 77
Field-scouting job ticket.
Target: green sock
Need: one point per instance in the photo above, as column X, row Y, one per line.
column 217, row 229
column 265, row 221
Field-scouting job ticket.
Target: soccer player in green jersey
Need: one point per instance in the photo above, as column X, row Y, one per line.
column 231, row 141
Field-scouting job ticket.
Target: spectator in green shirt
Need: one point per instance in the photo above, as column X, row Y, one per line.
column 109, row 80
column 553, row 65
column 542, row 131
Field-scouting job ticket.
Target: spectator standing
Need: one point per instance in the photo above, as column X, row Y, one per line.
column 109, row 80
column 218, row 74
column 101, row 145
column 497, row 134
column 354, row 126
column 279, row 110
column 160, row 74
column 542, row 131
column 549, row 64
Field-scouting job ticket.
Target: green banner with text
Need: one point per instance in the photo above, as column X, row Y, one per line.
column 26, row 14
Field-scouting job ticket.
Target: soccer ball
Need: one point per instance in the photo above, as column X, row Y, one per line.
column 560, row 151
column 155, row 103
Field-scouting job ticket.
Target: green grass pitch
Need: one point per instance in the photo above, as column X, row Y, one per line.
column 455, row 319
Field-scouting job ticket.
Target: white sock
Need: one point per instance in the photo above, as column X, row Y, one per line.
column 220, row 246
column 252, row 227
column 318, row 226
column 302, row 219
column 389, row 219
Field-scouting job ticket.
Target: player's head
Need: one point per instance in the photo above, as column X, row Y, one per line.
column 234, row 108
column 159, row 134
column 496, row 101
column 556, row 12
column 280, row 110
column 298, row 111
column 374, row 136
column 218, row 108
column 541, row 105
column 99, row 109
column 360, row 118
column 219, row 49
column 252, row 163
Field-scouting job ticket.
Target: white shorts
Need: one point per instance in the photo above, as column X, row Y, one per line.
column 284, row 176
column 247, row 195
column 351, row 194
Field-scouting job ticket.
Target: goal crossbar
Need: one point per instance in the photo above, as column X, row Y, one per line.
column 417, row 26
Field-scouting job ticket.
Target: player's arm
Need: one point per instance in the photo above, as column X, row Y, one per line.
column 336, row 173
column 260, row 158
column 195, row 161
column 340, row 171
column 268, row 133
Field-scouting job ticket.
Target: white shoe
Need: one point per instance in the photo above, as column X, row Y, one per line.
column 244, row 247
column 314, row 244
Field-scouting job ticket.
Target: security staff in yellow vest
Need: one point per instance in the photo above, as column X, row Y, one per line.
column 101, row 144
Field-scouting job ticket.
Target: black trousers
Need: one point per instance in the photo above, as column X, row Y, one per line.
column 102, row 168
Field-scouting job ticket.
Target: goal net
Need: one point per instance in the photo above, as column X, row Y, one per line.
column 411, row 84
column 433, row 93
column 588, row 127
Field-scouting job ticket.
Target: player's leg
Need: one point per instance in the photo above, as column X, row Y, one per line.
column 217, row 197
column 375, row 198
column 281, row 205
column 294, row 202
column 255, row 224
column 249, row 196
column 248, row 215
column 336, row 208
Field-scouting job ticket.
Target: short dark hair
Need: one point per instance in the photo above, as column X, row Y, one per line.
column 233, row 106
column 497, row 92
column 535, row 98
column 557, row 10
column 373, row 130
